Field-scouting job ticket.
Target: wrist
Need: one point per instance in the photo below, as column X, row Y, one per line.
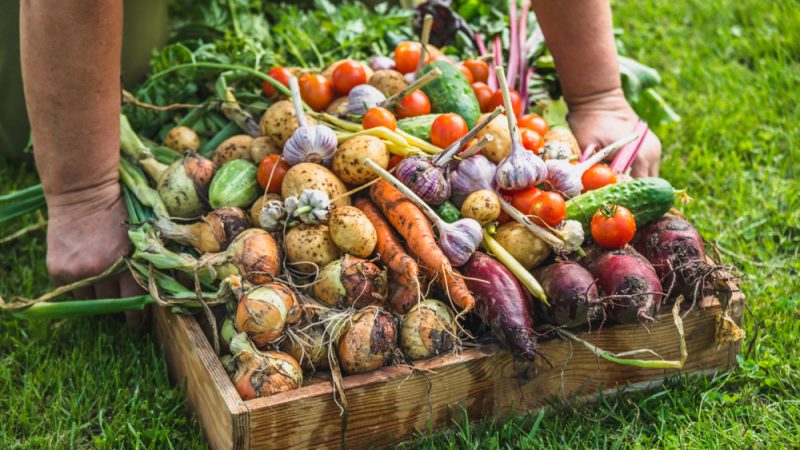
column 100, row 195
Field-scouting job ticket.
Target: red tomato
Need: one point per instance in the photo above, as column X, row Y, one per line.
column 483, row 93
column 522, row 200
column 548, row 208
column 531, row 140
column 597, row 176
column 466, row 73
column 348, row 75
column 280, row 74
column 534, row 122
column 394, row 160
column 497, row 100
column 272, row 166
column 406, row 56
column 415, row 104
column 315, row 90
column 479, row 69
column 613, row 227
column 379, row 117
column 448, row 128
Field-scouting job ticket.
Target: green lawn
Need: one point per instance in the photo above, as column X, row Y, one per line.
column 730, row 68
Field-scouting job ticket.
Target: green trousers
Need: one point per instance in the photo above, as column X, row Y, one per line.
column 145, row 28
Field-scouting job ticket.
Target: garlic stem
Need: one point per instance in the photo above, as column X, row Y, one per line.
column 449, row 152
column 602, row 153
column 512, row 118
column 438, row 222
column 475, row 149
column 419, row 83
column 549, row 237
column 296, row 102
column 427, row 24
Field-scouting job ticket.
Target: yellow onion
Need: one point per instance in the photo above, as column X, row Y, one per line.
column 368, row 340
column 253, row 255
column 260, row 374
column 427, row 330
column 183, row 186
column 307, row 344
column 351, row 281
column 211, row 234
column 264, row 311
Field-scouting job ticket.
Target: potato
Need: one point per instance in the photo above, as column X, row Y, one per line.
column 338, row 106
column 255, row 210
column 348, row 161
column 278, row 122
column 523, row 245
column 500, row 147
column 352, row 231
column 181, row 139
column 313, row 176
column 328, row 72
column 389, row 82
column 565, row 136
column 482, row 206
column 235, row 147
column 310, row 248
column 261, row 148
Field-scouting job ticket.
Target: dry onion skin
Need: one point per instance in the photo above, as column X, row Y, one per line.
column 351, row 281
column 427, row 330
column 264, row 311
column 182, row 139
column 310, row 247
column 183, row 186
column 213, row 233
column 308, row 345
column 368, row 342
column 235, row 147
column 260, row 374
column 253, row 255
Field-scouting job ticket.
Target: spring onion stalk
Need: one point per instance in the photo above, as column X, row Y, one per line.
column 525, row 277
column 149, row 248
column 17, row 209
column 73, row 308
column 34, row 191
column 229, row 130
column 135, row 149
column 232, row 110
column 133, row 179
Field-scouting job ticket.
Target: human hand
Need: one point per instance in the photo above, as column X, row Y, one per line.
column 85, row 236
column 603, row 119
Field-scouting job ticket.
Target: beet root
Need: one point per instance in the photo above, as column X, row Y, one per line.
column 572, row 294
column 501, row 303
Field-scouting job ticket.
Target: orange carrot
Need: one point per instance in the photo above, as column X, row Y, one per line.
column 401, row 266
column 412, row 224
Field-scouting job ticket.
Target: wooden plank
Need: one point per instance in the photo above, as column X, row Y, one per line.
column 219, row 408
column 390, row 405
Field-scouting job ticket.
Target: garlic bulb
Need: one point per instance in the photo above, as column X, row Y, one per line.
column 472, row 174
column 363, row 97
column 308, row 143
column 572, row 233
column 312, row 207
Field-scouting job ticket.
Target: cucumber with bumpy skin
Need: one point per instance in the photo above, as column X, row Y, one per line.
column 235, row 184
column 418, row 126
column 647, row 198
column 451, row 92
column 448, row 212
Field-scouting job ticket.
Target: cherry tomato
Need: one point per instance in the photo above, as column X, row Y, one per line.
column 483, row 93
column 315, row 90
column 531, row 140
column 348, row 75
column 497, row 100
column 415, row 104
column 394, row 160
column 280, row 74
column 548, row 208
column 272, row 166
column 379, row 117
column 534, row 122
column 466, row 73
column 613, row 226
column 522, row 200
column 479, row 69
column 448, row 128
column 597, row 176
column 406, row 56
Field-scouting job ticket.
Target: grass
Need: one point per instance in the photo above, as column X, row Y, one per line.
column 731, row 69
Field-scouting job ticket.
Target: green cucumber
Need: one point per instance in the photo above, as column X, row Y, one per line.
column 448, row 212
column 451, row 92
column 235, row 184
column 418, row 126
column 647, row 198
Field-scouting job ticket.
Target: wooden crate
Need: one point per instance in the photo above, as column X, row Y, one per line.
column 392, row 404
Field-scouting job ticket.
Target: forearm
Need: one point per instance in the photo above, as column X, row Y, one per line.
column 579, row 35
column 70, row 52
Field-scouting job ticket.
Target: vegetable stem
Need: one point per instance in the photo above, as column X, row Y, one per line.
column 427, row 23
column 72, row 308
column 537, row 230
column 419, row 83
column 512, row 118
column 449, row 152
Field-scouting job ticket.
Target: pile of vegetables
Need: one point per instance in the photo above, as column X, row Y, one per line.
column 353, row 214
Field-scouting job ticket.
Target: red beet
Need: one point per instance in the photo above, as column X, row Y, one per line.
column 629, row 282
column 501, row 303
column 572, row 294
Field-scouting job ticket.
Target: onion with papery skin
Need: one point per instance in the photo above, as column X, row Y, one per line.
column 183, row 186
column 260, row 374
column 211, row 234
column 368, row 340
column 427, row 330
column 265, row 310
column 308, row 345
column 253, row 255
column 308, row 143
column 351, row 281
